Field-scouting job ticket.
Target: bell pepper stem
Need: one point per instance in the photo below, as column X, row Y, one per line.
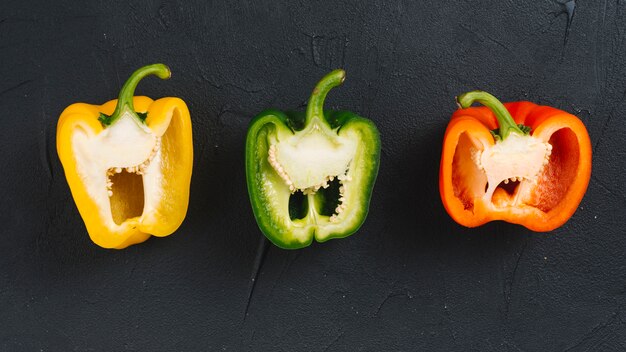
column 315, row 108
column 125, row 100
column 506, row 124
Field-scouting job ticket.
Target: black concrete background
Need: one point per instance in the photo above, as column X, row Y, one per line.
column 410, row 279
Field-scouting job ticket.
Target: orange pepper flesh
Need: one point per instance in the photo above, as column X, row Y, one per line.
column 560, row 185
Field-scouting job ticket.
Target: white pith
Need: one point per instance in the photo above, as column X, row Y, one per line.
column 127, row 145
column 310, row 159
column 517, row 158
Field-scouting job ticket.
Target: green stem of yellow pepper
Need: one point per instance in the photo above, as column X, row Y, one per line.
column 125, row 100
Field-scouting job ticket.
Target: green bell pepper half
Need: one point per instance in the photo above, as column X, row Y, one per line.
column 311, row 175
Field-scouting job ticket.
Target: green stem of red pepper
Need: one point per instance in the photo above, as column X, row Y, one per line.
column 125, row 100
column 315, row 108
column 506, row 124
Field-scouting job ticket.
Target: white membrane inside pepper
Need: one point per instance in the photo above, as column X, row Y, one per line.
column 309, row 160
column 126, row 144
column 517, row 158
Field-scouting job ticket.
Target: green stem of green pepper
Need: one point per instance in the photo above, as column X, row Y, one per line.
column 506, row 124
column 315, row 108
column 125, row 100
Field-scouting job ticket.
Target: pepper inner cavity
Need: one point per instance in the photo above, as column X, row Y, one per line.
column 127, row 196
column 125, row 187
column 328, row 201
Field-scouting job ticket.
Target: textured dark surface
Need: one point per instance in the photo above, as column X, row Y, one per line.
column 410, row 279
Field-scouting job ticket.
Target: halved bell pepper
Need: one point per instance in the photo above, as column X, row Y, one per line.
column 311, row 176
column 519, row 162
column 128, row 163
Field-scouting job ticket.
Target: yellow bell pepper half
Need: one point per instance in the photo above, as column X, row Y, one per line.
column 128, row 163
